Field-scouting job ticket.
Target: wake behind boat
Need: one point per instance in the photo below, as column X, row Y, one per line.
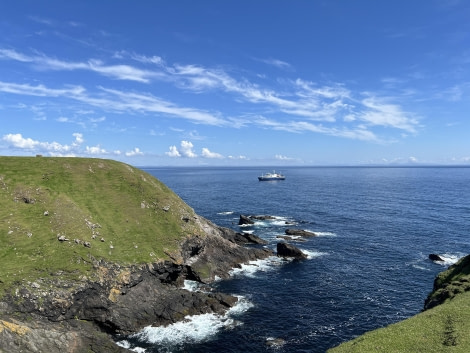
column 271, row 176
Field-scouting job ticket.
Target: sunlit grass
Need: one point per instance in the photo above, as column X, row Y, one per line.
column 444, row 328
column 124, row 214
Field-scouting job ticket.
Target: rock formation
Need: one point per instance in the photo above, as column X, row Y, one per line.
column 300, row 233
column 288, row 250
column 245, row 220
column 449, row 283
column 435, row 257
column 52, row 315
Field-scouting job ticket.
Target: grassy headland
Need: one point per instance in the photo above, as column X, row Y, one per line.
column 443, row 328
column 106, row 210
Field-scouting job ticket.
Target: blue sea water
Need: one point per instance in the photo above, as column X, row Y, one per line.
column 367, row 268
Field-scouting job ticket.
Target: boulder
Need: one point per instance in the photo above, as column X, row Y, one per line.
column 300, row 232
column 435, row 257
column 245, row 220
column 288, row 250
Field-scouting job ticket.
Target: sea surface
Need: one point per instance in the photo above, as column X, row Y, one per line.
column 368, row 267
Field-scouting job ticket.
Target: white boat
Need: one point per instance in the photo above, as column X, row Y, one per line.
column 271, row 176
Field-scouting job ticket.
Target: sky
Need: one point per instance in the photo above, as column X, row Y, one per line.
column 237, row 82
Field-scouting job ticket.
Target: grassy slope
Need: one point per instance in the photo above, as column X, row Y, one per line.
column 140, row 219
column 444, row 328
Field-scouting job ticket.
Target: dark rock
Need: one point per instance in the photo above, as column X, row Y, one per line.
column 288, row 250
column 241, row 238
column 115, row 300
column 435, row 257
column 245, row 220
column 300, row 232
column 262, row 218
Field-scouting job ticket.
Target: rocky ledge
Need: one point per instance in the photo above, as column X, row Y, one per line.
column 57, row 315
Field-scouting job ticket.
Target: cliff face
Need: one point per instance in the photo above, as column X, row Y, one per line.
column 90, row 256
column 449, row 283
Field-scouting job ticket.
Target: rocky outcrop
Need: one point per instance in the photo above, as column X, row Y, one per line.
column 435, row 257
column 250, row 219
column 241, row 238
column 57, row 315
column 245, row 220
column 300, row 233
column 449, row 283
column 288, row 250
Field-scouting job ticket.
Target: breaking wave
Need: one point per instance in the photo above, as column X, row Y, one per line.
column 193, row 329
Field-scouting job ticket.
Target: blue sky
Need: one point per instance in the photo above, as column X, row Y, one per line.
column 237, row 83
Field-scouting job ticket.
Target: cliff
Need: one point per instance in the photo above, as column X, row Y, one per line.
column 96, row 248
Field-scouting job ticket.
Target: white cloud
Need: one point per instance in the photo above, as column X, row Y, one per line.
column 186, row 149
column 135, row 152
column 282, row 158
column 278, row 63
column 78, row 139
column 329, row 105
column 208, row 154
column 173, row 152
column 238, row 157
column 19, row 142
column 95, row 150
column 386, row 114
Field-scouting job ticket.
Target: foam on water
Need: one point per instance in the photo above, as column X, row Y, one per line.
column 325, row 234
column 126, row 344
column 449, row 259
column 311, row 254
column 193, row 329
column 191, row 286
column 225, row 213
column 251, row 268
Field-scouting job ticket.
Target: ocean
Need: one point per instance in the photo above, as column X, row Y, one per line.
column 367, row 268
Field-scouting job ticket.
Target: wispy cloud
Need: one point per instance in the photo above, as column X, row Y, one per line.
column 276, row 63
column 380, row 112
column 298, row 106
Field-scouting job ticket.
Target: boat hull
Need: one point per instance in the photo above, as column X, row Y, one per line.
column 261, row 178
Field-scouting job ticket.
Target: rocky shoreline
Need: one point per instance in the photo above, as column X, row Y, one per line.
column 57, row 315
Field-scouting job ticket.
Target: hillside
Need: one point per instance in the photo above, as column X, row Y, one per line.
column 104, row 209
column 442, row 327
column 93, row 249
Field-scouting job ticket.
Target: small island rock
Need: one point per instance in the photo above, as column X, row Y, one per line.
column 287, row 250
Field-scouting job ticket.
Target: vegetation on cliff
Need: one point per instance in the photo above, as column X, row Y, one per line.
column 442, row 327
column 61, row 214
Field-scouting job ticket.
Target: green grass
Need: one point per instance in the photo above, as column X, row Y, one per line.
column 139, row 218
column 444, row 328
